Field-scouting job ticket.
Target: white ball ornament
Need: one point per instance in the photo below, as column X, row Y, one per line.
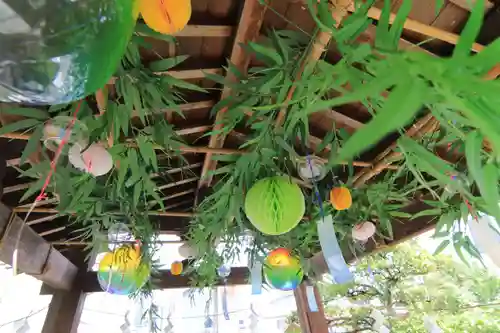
column 186, row 251
column 95, row 160
column 362, row 232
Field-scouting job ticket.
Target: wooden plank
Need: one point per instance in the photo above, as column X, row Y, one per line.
column 34, row 255
column 194, row 130
column 188, row 74
column 165, row 280
column 248, row 30
column 65, row 309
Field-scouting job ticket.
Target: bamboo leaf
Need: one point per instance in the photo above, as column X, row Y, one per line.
column 19, row 125
column 33, row 143
column 469, row 33
column 490, row 190
column 400, row 214
column 266, row 54
column 397, row 26
column 27, row 112
column 441, row 247
column 473, row 148
column 166, row 64
column 403, row 103
column 427, row 212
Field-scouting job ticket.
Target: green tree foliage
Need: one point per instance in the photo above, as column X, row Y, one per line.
column 407, row 284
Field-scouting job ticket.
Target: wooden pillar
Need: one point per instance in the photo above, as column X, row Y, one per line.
column 310, row 322
column 66, row 306
column 35, row 256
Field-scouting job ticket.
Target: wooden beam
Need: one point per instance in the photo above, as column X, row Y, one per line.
column 204, row 31
column 65, row 308
column 251, row 20
column 165, row 280
column 186, row 74
column 468, row 4
column 310, row 322
column 179, row 182
column 54, row 211
column 34, row 255
column 193, row 130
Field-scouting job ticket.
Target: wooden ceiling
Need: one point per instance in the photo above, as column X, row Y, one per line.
column 213, row 36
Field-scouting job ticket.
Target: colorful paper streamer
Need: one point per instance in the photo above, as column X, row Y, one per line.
column 311, row 299
column 256, row 278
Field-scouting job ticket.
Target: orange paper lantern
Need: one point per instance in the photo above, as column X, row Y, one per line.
column 166, row 16
column 340, row 197
column 176, row 268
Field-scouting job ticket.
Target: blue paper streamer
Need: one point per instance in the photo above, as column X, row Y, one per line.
column 224, row 303
column 311, row 299
column 329, row 243
column 256, row 278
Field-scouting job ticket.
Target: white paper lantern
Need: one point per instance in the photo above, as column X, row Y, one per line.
column 95, row 160
column 362, row 232
column 186, row 251
column 486, row 237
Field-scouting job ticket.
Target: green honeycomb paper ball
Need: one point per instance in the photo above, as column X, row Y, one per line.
column 275, row 205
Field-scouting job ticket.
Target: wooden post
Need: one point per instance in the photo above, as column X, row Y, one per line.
column 66, row 307
column 35, row 256
column 310, row 322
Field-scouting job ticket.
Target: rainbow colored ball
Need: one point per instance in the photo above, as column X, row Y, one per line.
column 282, row 270
column 121, row 279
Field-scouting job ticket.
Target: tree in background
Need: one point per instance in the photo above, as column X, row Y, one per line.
column 408, row 284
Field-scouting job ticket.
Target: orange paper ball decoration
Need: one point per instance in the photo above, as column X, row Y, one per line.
column 176, row 268
column 166, row 16
column 340, row 197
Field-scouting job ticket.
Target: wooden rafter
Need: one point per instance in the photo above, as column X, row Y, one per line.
column 251, row 20
column 186, row 74
column 155, row 213
column 204, row 31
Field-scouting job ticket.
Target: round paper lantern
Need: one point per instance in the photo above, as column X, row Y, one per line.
column 186, row 251
column 176, row 268
column 340, row 197
column 59, row 51
column 166, row 16
column 95, row 160
column 362, row 232
column 120, row 272
column 311, row 168
column 274, row 205
column 283, row 271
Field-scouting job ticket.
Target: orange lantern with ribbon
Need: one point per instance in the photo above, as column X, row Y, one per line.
column 340, row 198
column 166, row 16
column 176, row 268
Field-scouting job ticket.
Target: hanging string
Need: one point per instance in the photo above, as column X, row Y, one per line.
column 42, row 194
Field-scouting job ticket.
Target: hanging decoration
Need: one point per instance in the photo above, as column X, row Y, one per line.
column 256, row 277
column 166, row 16
column 362, row 232
column 186, row 251
column 58, row 59
column 431, row 325
column 378, row 320
column 311, row 299
column 224, row 271
column 95, row 159
column 316, row 171
column 329, row 243
column 282, row 270
column 486, row 237
column 121, row 271
column 69, row 128
column 176, row 268
column 118, row 233
column 340, row 198
column 275, row 205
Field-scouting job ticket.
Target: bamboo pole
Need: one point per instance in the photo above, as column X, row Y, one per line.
column 422, row 28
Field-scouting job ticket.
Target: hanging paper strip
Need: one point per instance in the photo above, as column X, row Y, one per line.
column 224, row 303
column 311, row 299
column 256, row 278
column 384, row 329
column 331, row 251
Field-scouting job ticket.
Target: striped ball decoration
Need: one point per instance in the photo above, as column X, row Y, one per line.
column 282, row 270
column 166, row 16
column 340, row 198
column 274, row 205
column 176, row 268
